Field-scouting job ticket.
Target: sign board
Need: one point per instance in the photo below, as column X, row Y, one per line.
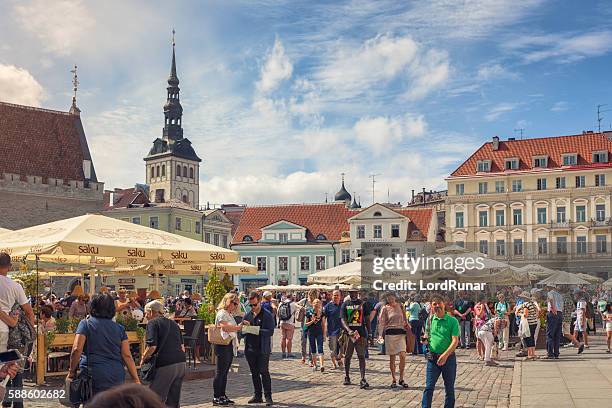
column 124, row 280
column 188, row 280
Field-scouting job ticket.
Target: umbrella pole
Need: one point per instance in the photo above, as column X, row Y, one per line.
column 156, row 277
column 92, row 279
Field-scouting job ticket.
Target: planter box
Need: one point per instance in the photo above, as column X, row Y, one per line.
column 66, row 340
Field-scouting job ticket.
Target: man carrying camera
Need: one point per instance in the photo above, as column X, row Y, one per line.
column 441, row 338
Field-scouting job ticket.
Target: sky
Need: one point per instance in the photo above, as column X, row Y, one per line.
column 281, row 97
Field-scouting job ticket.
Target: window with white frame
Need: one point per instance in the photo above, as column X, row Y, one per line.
column 283, row 237
column 517, row 216
column 600, row 212
column 580, row 182
column 541, row 216
column 154, row 222
column 500, row 247
column 345, row 256
column 483, row 218
column 540, row 161
column 600, row 180
column 216, row 239
column 378, row 231
column 581, row 245
column 459, row 189
column 178, row 224
column 483, row 187
column 411, row 252
column 562, row 245
column 459, row 219
column 518, row 246
column 541, row 184
column 261, row 263
column 360, row 231
column 517, row 186
column 601, row 246
column 511, row 164
column 247, row 259
column 207, row 237
column 542, row 246
column 570, row 159
column 500, row 217
column 283, row 263
column 304, row 263
column 561, row 214
column 136, row 220
column 483, row 166
column 395, row 231
column 600, row 157
column 560, row 182
column 580, row 213
column 483, row 246
column 320, row 263
column 500, row 187
column 198, row 227
column 395, row 252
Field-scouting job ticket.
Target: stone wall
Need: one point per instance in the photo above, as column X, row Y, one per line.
column 20, row 210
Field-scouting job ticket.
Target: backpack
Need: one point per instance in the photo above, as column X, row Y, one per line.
column 423, row 315
column 22, row 335
column 284, row 311
column 590, row 310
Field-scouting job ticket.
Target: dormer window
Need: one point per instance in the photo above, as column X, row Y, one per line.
column 283, row 237
column 600, row 157
column 511, row 164
column 321, row 237
column 570, row 159
column 540, row 161
column 377, row 214
column 483, row 166
column 247, row 238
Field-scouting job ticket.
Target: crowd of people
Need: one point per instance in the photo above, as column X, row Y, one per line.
column 332, row 325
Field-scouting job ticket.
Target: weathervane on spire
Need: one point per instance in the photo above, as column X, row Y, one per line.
column 173, row 32
column 75, row 86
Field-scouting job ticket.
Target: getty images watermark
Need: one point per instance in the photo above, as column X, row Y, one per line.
column 403, row 272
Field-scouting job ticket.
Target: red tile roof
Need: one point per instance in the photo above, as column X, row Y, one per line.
column 420, row 220
column 327, row 219
column 553, row 147
column 124, row 197
column 41, row 142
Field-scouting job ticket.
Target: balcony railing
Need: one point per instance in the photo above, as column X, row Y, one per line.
column 607, row 222
column 560, row 225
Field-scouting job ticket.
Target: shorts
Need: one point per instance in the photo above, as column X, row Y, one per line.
column 287, row 330
column 565, row 328
column 332, row 342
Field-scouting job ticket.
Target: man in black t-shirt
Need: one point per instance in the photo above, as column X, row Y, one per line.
column 463, row 313
column 356, row 316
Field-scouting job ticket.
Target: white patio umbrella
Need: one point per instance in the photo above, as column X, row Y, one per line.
column 563, row 278
column 348, row 273
column 97, row 235
column 536, row 271
column 590, row 278
column 607, row 284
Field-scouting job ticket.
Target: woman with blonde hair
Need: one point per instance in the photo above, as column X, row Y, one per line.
column 315, row 327
column 229, row 305
column 303, row 305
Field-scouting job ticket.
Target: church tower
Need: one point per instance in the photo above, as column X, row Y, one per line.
column 172, row 165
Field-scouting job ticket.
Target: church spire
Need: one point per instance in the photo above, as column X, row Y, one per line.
column 173, row 111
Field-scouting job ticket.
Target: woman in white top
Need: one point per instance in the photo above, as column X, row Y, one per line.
column 229, row 305
column 608, row 322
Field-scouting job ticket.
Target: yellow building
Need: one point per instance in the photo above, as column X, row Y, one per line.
column 544, row 200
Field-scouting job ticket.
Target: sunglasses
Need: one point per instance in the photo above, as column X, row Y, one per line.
column 254, row 304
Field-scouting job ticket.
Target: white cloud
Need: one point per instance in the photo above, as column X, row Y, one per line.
column 59, row 25
column 500, row 109
column 382, row 133
column 559, row 106
column 561, row 48
column 17, row 85
column 494, row 71
column 352, row 71
column 276, row 69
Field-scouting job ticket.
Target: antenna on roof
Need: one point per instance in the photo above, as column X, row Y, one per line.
column 326, row 196
column 373, row 177
column 521, row 130
column 599, row 116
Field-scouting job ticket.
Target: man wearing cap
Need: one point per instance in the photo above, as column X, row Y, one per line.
column 554, row 322
column 164, row 339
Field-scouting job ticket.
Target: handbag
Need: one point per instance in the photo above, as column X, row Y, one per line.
column 215, row 336
column 149, row 367
column 80, row 389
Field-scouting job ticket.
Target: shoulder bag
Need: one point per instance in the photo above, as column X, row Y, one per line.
column 216, row 337
column 80, row 390
column 149, row 367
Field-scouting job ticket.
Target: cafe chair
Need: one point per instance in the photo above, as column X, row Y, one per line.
column 193, row 327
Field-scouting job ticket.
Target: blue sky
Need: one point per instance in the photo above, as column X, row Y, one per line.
column 280, row 97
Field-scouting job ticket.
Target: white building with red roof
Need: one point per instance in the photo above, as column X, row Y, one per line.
column 542, row 199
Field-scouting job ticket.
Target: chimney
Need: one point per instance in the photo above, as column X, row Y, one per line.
column 495, row 143
column 424, row 194
column 511, row 139
column 412, row 195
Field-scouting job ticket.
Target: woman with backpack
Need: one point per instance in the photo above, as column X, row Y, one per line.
column 286, row 317
column 315, row 327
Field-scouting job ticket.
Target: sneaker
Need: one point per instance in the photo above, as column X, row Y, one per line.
column 581, row 349
column 347, row 381
column 363, row 384
column 491, row 363
column 255, row 400
column 586, row 346
column 269, row 401
column 548, row 357
column 505, row 349
column 219, row 402
column 467, row 347
column 284, row 356
column 229, row 401
column 289, row 355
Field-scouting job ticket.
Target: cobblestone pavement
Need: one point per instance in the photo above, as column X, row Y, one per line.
column 296, row 385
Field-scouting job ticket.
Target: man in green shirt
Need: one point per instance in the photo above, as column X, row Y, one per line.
column 442, row 337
